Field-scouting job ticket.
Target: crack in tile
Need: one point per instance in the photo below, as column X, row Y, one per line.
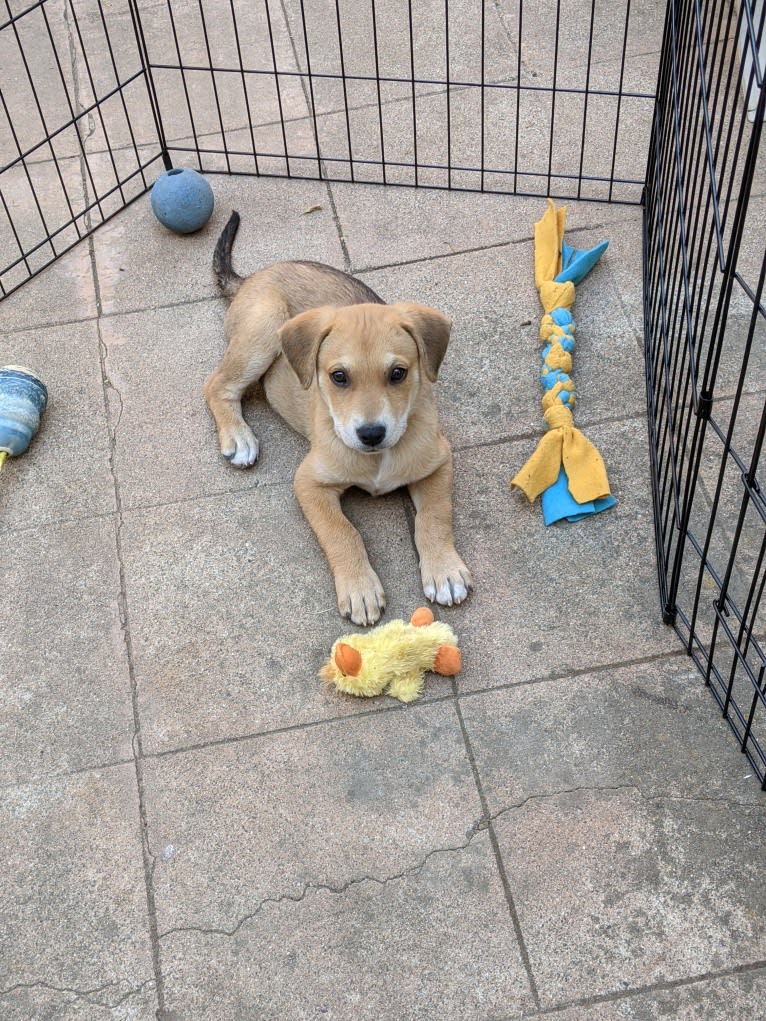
column 111, row 388
column 480, row 825
column 89, row 995
column 149, row 860
column 547, row 795
column 644, row 795
column 110, row 385
column 475, row 828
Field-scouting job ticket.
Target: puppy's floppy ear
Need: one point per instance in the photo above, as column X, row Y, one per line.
column 430, row 331
column 301, row 337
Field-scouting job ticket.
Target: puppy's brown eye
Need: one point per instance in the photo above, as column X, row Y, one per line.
column 339, row 377
column 398, row 374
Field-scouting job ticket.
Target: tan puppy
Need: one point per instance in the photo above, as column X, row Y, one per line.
column 355, row 377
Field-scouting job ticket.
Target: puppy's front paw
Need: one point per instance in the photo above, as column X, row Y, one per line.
column 239, row 446
column 361, row 599
column 448, row 582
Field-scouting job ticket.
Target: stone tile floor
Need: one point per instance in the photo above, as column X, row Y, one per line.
column 192, row 827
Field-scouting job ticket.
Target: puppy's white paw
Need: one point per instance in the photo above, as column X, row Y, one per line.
column 447, row 584
column 362, row 600
column 240, row 446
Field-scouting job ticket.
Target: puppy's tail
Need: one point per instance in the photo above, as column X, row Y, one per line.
column 228, row 280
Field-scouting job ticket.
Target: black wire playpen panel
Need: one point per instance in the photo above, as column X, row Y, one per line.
column 98, row 98
column 704, row 268
column 556, row 97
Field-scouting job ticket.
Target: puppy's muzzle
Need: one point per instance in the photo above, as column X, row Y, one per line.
column 371, row 435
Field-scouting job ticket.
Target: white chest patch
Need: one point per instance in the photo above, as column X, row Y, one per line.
column 384, row 481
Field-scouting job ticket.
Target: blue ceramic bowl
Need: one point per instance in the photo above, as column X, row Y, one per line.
column 23, row 398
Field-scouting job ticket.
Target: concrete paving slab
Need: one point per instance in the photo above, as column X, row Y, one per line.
column 233, row 612
column 579, row 44
column 652, row 725
column 115, row 179
column 482, row 51
column 166, row 447
column 213, row 110
column 586, row 143
column 75, row 1005
column 71, row 197
column 122, row 123
column 236, row 826
column 65, row 473
column 624, row 267
column 141, row 264
column 384, row 226
column 75, row 927
column 399, row 39
column 741, row 365
column 729, row 490
column 441, row 927
column 100, row 51
column 549, row 601
column 103, row 50
column 748, row 265
column 445, row 134
column 66, row 689
column 729, row 529
column 65, row 285
column 616, row 891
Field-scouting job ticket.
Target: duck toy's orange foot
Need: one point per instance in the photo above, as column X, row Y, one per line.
column 393, row 659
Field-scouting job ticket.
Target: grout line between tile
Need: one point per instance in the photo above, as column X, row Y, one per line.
column 53, row 323
column 159, row 307
column 81, row 156
column 437, row 256
column 486, row 816
column 527, row 435
column 121, row 597
column 122, row 604
column 567, row 675
column 460, row 696
column 339, row 228
column 674, row 654
column 62, row 774
column 398, row 707
column 490, row 246
column 584, row 423
column 312, row 119
column 657, row 987
column 140, row 508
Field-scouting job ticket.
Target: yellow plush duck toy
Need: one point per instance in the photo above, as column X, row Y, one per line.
column 393, row 658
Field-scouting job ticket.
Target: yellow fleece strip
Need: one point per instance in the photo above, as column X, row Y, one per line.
column 563, row 443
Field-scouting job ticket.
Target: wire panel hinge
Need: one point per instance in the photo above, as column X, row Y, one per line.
column 704, row 406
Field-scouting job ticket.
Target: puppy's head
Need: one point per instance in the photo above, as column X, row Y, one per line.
column 368, row 362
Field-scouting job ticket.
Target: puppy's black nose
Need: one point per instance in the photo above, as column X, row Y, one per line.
column 371, row 435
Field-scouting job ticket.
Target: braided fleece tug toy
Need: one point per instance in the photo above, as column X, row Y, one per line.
column 566, row 468
column 393, row 658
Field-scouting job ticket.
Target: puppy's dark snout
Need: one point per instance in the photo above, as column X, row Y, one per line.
column 371, row 435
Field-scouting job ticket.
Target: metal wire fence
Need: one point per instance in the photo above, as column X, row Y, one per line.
column 556, row 97
column 99, row 96
column 706, row 349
